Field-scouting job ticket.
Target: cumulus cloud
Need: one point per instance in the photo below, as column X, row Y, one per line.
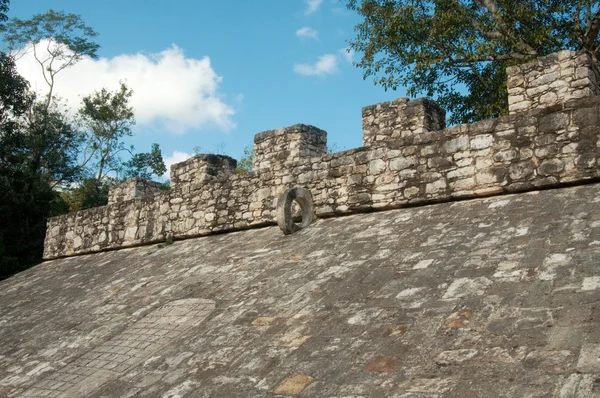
column 326, row 65
column 347, row 53
column 171, row 92
column 307, row 32
column 312, row 6
column 176, row 157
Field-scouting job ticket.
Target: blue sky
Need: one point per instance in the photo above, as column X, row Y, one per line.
column 214, row 73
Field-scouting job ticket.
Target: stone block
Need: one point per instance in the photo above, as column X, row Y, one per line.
column 551, row 80
column 401, row 118
column 201, row 169
column 279, row 149
column 135, row 187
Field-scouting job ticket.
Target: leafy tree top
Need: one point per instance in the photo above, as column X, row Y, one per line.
column 64, row 29
column 442, row 48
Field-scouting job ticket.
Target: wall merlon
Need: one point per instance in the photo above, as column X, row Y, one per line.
column 201, row 169
column 278, row 149
column 552, row 79
column 135, row 187
column 401, row 118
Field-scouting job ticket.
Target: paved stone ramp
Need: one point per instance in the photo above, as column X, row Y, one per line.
column 486, row 298
column 132, row 347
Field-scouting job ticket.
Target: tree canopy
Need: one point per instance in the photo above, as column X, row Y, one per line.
column 49, row 163
column 57, row 39
column 457, row 50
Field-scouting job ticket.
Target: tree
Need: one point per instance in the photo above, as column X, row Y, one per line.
column 38, row 144
column 36, row 154
column 442, row 48
column 87, row 193
column 146, row 164
column 245, row 164
column 107, row 118
column 57, row 40
column 3, row 10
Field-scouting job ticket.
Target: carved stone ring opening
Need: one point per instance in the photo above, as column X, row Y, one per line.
column 285, row 218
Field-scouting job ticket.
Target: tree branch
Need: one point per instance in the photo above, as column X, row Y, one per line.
column 505, row 29
column 591, row 32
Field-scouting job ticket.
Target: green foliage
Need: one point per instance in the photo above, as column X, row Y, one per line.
column 245, row 163
column 14, row 97
column 58, row 40
column 70, row 38
column 38, row 149
column 146, row 164
column 52, row 144
column 439, row 48
column 3, row 10
column 106, row 118
column 48, row 165
column 167, row 242
column 88, row 193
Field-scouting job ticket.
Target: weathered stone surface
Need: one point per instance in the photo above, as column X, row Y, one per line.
column 408, row 159
column 201, row 169
column 525, row 151
column 388, row 304
column 401, row 118
column 278, row 149
column 285, row 214
column 135, row 187
column 551, row 80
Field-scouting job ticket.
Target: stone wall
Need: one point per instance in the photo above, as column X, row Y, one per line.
column 133, row 188
column 542, row 147
column 401, row 118
column 278, row 149
column 552, row 79
column 201, row 169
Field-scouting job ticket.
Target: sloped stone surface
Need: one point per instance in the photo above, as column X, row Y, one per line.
column 495, row 297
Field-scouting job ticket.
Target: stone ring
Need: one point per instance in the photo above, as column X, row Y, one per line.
column 285, row 218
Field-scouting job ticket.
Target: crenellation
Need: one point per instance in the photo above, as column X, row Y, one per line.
column 407, row 159
column 135, row 187
column 278, row 149
column 401, row 118
column 201, row 169
column 551, row 80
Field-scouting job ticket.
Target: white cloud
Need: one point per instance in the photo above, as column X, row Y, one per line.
column 312, row 6
column 176, row 157
column 307, row 32
column 347, row 53
column 326, row 65
column 170, row 92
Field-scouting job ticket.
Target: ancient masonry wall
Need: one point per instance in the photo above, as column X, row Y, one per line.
column 552, row 79
column 135, row 187
column 406, row 160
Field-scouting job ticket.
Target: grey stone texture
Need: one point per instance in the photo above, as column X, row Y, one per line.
column 285, row 210
column 533, row 149
column 276, row 150
column 401, row 118
column 134, row 187
column 490, row 297
column 408, row 158
column 200, row 169
column 552, row 79
column 124, row 351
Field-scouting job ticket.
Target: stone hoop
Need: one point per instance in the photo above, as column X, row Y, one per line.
column 284, row 209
